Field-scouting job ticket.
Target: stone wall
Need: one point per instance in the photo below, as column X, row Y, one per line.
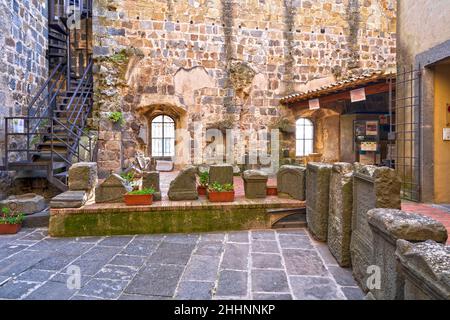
column 225, row 63
column 23, row 63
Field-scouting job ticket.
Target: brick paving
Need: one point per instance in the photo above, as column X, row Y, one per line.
column 437, row 212
column 235, row 265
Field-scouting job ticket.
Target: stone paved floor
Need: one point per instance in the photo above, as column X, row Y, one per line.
column 235, row 265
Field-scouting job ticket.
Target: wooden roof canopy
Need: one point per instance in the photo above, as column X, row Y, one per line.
column 374, row 83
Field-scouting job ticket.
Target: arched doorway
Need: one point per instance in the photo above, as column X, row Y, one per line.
column 162, row 137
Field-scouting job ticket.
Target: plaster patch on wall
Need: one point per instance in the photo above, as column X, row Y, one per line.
column 186, row 81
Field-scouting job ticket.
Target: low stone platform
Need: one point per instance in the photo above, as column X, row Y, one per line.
column 166, row 217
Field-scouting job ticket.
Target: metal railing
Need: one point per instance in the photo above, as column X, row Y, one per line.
column 44, row 124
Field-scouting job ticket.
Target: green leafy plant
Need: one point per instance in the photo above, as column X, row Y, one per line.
column 9, row 217
column 204, row 179
column 145, row 191
column 129, row 176
column 117, row 117
column 217, row 187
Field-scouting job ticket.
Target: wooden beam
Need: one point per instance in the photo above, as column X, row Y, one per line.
column 370, row 90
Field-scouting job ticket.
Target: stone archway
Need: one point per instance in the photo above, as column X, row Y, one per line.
column 154, row 105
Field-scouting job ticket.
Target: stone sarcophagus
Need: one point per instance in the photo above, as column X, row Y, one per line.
column 340, row 212
column 184, row 186
column 388, row 226
column 317, row 198
column 291, row 182
column 221, row 173
column 112, row 190
column 150, row 179
column 373, row 187
column 425, row 268
column 255, row 184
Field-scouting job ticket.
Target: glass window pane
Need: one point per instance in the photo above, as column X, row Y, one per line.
column 308, row 147
column 309, row 132
column 169, row 130
column 300, row 147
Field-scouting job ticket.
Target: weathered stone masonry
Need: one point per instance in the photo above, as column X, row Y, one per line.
column 224, row 63
column 23, row 63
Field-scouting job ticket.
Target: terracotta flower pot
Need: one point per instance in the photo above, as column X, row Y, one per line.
column 272, row 191
column 227, row 196
column 138, row 199
column 201, row 190
column 10, row 228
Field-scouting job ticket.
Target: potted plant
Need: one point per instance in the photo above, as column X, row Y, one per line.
column 10, row 223
column 139, row 197
column 203, row 183
column 221, row 193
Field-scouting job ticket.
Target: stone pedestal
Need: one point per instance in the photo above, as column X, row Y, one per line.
column 425, row 268
column 291, row 182
column 184, row 186
column 389, row 225
column 340, row 212
column 317, row 198
column 150, row 179
column 69, row 199
column 26, row 203
column 83, row 176
column 255, row 184
column 112, row 190
column 373, row 187
column 221, row 173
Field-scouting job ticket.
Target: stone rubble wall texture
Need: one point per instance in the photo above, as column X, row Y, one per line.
column 389, row 225
column 224, row 63
column 317, row 199
column 340, row 212
column 373, row 187
column 23, row 63
column 425, row 267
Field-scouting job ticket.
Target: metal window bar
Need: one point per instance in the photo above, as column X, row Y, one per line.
column 405, row 104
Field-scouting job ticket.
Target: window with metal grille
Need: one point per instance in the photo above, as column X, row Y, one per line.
column 304, row 137
column 163, row 136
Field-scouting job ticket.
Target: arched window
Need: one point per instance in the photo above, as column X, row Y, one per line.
column 163, row 136
column 304, row 137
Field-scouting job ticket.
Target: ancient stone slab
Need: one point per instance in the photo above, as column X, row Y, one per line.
column 389, row 225
column 164, row 166
column 235, row 256
column 150, row 179
column 255, row 182
column 266, row 260
column 112, row 190
column 291, row 182
column 373, row 187
column 69, row 199
column 26, row 203
column 340, row 212
column 221, row 173
column 317, row 198
column 83, row 176
column 184, row 186
column 105, row 289
column 202, row 268
column 425, row 268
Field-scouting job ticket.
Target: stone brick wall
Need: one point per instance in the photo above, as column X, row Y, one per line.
column 225, row 63
column 23, row 63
